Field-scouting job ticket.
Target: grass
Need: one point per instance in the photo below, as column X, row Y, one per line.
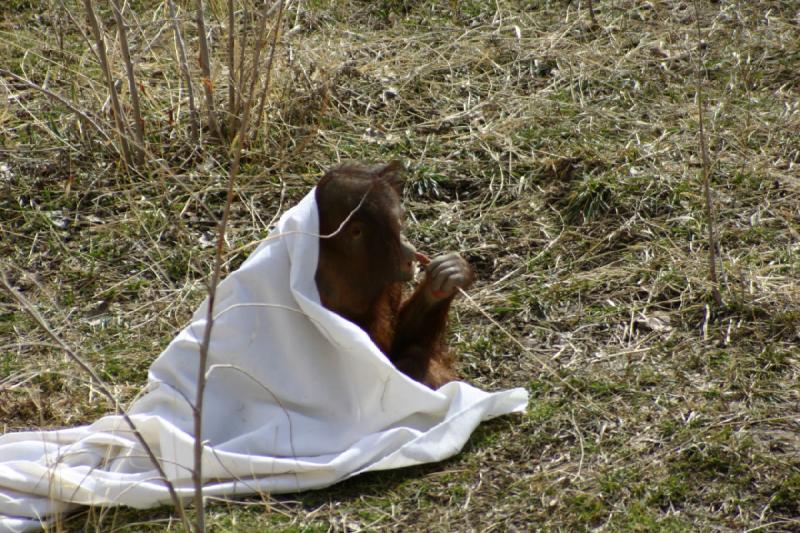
column 561, row 158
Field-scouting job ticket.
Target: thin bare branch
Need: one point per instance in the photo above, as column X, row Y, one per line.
column 240, row 70
column 102, row 387
column 197, row 473
column 276, row 28
column 251, row 77
column 231, row 67
column 60, row 99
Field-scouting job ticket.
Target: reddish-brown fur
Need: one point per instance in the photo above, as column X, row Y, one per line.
column 364, row 263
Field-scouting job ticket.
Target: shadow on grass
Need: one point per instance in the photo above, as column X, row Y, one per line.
column 370, row 484
column 379, row 483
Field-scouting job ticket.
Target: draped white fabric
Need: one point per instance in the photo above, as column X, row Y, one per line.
column 297, row 398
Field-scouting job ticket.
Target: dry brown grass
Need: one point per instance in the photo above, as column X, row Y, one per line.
column 560, row 155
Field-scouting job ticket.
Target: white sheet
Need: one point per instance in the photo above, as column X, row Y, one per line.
column 297, row 398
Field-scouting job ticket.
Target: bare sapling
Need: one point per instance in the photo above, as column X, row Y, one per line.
column 248, row 79
column 236, row 152
column 239, row 73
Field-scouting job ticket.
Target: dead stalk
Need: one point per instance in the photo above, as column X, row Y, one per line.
column 194, row 124
column 104, row 390
column 119, row 119
column 275, row 32
column 238, row 89
column 712, row 238
column 205, row 66
column 258, row 46
column 138, row 130
column 591, row 13
column 79, row 26
column 231, row 68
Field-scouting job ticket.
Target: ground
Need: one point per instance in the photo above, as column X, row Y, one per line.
column 558, row 149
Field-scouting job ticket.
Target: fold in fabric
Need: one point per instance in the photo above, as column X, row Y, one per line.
column 297, row 398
